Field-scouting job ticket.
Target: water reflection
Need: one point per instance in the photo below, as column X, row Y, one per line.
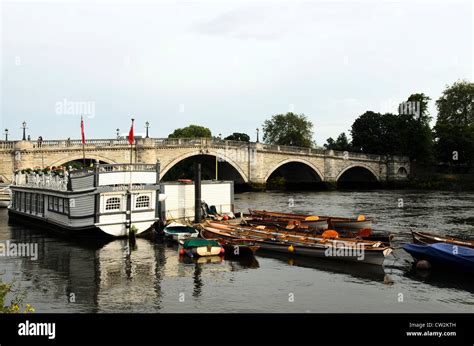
column 357, row 270
column 442, row 279
column 100, row 275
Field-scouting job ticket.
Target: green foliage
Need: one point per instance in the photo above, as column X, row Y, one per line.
column 288, row 129
column 74, row 165
column 454, row 129
column 191, row 131
column 16, row 304
column 341, row 143
column 375, row 133
column 407, row 133
column 276, row 183
column 416, row 137
column 236, row 136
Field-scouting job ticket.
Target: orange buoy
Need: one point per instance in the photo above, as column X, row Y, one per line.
column 364, row 232
column 312, row 218
column 330, row 234
column 361, row 217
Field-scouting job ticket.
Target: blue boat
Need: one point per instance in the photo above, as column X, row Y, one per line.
column 459, row 258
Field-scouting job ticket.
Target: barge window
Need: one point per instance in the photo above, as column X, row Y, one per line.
column 33, row 203
column 40, row 208
column 66, row 206
column 56, row 203
column 112, row 203
column 28, row 203
column 142, row 202
column 50, row 202
column 61, row 205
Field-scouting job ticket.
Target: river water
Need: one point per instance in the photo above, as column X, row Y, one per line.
column 73, row 276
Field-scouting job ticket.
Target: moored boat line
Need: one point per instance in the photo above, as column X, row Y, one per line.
column 293, row 243
column 301, row 228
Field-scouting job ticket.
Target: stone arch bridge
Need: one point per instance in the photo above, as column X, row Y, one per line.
column 238, row 161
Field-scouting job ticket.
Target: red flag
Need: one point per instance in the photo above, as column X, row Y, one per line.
column 131, row 137
column 82, row 132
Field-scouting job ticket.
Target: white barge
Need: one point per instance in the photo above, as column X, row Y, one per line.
column 110, row 198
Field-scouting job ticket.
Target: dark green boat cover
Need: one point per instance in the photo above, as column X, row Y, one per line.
column 180, row 229
column 199, row 242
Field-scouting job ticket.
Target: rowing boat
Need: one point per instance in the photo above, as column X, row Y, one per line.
column 453, row 257
column 297, row 227
column 178, row 231
column 298, row 244
column 200, row 247
column 332, row 222
column 428, row 238
column 232, row 247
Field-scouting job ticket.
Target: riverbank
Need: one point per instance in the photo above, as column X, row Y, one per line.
column 431, row 182
column 442, row 181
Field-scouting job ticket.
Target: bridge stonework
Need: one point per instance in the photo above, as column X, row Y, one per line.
column 254, row 162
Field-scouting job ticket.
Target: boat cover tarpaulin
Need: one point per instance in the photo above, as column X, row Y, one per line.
column 455, row 256
column 199, row 242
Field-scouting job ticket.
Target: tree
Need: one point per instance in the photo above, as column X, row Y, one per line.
column 454, row 129
column 415, row 134
column 288, row 129
column 191, row 131
column 341, row 143
column 236, row 136
column 417, row 106
column 374, row 133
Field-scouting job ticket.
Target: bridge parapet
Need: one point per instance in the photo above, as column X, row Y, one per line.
column 191, row 142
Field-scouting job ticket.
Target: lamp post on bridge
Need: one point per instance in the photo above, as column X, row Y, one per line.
column 6, row 135
column 147, row 126
column 258, row 130
column 24, row 130
column 118, row 133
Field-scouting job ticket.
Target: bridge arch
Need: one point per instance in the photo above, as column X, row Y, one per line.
column 357, row 174
column 310, row 165
column 208, row 152
column 402, row 172
column 78, row 157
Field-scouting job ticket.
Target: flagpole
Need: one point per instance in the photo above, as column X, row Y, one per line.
column 131, row 139
column 83, row 143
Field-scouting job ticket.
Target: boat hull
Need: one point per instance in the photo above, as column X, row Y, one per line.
column 367, row 257
column 232, row 247
column 92, row 231
column 178, row 231
column 121, row 230
column 354, row 224
column 427, row 238
column 445, row 255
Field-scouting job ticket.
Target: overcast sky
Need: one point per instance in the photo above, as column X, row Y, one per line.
column 224, row 66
